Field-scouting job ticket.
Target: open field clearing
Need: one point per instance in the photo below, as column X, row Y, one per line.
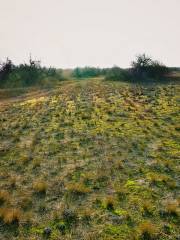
column 91, row 159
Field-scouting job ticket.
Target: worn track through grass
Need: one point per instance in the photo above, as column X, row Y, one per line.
column 91, row 160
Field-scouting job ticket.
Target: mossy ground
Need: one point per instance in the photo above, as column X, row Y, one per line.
column 93, row 160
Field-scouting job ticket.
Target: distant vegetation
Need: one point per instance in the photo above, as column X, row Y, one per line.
column 86, row 72
column 31, row 74
column 27, row 74
column 142, row 69
column 118, row 74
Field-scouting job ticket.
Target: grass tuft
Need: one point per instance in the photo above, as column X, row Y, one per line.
column 110, row 203
column 40, row 186
column 10, row 215
column 172, row 208
column 77, row 189
column 148, row 231
column 4, row 196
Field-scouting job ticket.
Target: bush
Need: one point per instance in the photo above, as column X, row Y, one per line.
column 27, row 74
column 86, row 72
column 5, row 69
column 144, row 68
column 117, row 74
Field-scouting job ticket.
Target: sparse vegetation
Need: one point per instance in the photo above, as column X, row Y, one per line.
column 91, row 159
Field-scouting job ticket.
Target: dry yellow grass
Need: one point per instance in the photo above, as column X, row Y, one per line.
column 10, row 215
column 148, row 230
column 4, row 196
column 172, row 207
column 77, row 188
column 40, row 186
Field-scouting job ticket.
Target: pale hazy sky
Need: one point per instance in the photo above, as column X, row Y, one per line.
column 68, row 33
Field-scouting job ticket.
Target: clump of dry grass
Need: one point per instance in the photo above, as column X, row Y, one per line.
column 86, row 215
column 25, row 202
column 77, row 188
column 147, row 207
column 119, row 165
column 110, row 203
column 10, row 215
column 168, row 164
column 121, row 193
column 171, row 184
column 40, row 186
column 172, row 208
column 148, row 231
column 88, row 177
column 13, row 181
column 25, row 158
column 36, row 163
column 101, row 174
column 157, row 178
column 4, row 196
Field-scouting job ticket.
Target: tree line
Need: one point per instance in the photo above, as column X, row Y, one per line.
column 27, row 74
column 144, row 68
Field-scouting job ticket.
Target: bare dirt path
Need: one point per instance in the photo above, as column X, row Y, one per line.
column 24, row 97
column 11, row 96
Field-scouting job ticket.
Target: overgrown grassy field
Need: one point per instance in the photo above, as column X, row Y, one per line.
column 90, row 160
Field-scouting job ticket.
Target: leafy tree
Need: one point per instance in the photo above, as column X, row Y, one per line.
column 27, row 74
column 145, row 68
column 86, row 72
column 5, row 69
